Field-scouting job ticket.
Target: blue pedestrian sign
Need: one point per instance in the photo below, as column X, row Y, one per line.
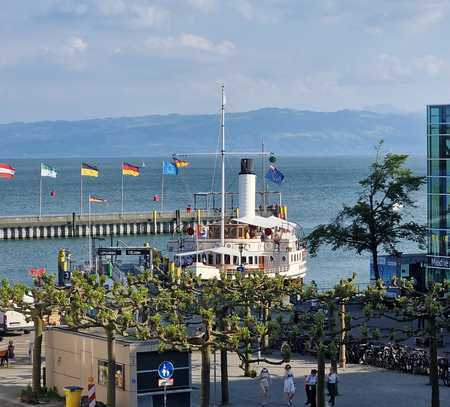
column 165, row 370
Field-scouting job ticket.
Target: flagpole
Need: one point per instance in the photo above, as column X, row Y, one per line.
column 121, row 170
column 262, row 176
column 40, row 195
column 81, row 190
column 222, row 215
column 89, row 236
column 162, row 191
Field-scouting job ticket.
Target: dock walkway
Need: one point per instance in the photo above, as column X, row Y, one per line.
column 102, row 224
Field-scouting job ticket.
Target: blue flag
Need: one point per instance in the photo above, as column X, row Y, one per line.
column 169, row 168
column 275, row 175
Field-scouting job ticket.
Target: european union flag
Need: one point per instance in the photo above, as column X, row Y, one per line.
column 275, row 175
column 169, row 168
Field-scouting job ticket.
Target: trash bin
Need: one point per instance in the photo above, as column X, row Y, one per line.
column 73, row 396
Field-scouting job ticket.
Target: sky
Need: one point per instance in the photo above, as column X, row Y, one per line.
column 80, row 59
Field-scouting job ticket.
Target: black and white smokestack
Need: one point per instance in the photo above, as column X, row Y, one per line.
column 247, row 188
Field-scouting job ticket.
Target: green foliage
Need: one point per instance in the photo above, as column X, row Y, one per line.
column 376, row 220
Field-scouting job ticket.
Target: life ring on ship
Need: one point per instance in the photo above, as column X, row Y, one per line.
column 228, row 245
column 268, row 246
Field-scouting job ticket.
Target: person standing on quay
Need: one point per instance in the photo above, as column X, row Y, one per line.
column 310, row 388
column 265, row 381
column 289, row 387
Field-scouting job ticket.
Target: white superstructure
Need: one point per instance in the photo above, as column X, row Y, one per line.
column 251, row 242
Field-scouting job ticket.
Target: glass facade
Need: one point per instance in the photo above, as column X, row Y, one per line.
column 438, row 191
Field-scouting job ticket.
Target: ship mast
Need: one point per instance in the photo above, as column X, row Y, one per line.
column 222, row 214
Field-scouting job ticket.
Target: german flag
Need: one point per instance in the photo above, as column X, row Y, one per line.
column 129, row 169
column 89, row 170
column 180, row 163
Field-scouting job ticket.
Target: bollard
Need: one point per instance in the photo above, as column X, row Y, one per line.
column 91, row 392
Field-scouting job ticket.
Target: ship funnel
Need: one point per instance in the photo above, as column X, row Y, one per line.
column 247, row 188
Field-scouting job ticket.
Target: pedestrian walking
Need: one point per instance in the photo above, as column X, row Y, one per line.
column 332, row 386
column 11, row 354
column 265, row 381
column 30, row 351
column 310, row 388
column 288, row 385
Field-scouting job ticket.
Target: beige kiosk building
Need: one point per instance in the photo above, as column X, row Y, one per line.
column 72, row 358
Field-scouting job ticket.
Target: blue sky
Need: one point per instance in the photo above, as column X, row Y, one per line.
column 77, row 59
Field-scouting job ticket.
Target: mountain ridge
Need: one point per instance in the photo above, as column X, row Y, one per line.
column 286, row 131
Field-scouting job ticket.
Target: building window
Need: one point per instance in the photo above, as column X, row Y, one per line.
column 103, row 374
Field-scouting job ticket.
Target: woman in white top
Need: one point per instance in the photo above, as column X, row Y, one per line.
column 332, row 386
column 289, row 387
column 265, row 381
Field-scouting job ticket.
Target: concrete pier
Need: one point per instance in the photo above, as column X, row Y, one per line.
column 104, row 224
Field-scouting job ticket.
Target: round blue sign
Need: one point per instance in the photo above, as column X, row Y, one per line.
column 165, row 370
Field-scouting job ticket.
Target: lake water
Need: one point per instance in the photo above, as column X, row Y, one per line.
column 314, row 190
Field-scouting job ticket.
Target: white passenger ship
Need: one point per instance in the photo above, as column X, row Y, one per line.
column 244, row 243
column 252, row 242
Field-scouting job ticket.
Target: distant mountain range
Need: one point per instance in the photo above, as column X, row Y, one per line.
column 285, row 131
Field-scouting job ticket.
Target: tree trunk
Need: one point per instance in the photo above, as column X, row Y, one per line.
column 111, row 391
column 224, row 387
column 37, row 354
column 206, row 377
column 266, row 317
column 342, row 348
column 434, row 371
column 224, row 377
column 375, row 265
column 320, row 378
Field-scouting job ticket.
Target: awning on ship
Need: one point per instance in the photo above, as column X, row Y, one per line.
column 270, row 222
column 218, row 250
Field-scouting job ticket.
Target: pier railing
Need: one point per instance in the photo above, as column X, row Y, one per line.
column 102, row 224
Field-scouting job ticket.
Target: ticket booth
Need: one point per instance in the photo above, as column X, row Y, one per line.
column 80, row 358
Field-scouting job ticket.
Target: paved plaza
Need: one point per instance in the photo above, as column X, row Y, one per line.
column 359, row 385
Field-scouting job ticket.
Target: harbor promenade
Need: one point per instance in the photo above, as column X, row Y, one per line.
column 359, row 385
column 102, row 224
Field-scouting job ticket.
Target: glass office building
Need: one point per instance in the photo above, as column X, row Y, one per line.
column 438, row 193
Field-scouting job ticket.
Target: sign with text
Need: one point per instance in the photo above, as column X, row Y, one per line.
column 440, row 262
column 165, row 382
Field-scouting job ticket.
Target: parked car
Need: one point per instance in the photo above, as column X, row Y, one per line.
column 13, row 321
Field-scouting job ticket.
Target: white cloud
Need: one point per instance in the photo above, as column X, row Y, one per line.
column 391, row 67
column 191, row 41
column 146, row 16
column 75, row 45
column 431, row 65
column 205, row 6
column 70, row 54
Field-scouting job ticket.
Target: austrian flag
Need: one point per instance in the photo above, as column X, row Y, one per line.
column 6, row 171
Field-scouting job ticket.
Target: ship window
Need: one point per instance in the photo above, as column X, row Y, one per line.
column 227, row 259
column 218, row 259
column 284, row 258
column 240, row 232
column 235, row 259
column 244, row 260
column 210, row 259
column 250, row 260
column 271, row 259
